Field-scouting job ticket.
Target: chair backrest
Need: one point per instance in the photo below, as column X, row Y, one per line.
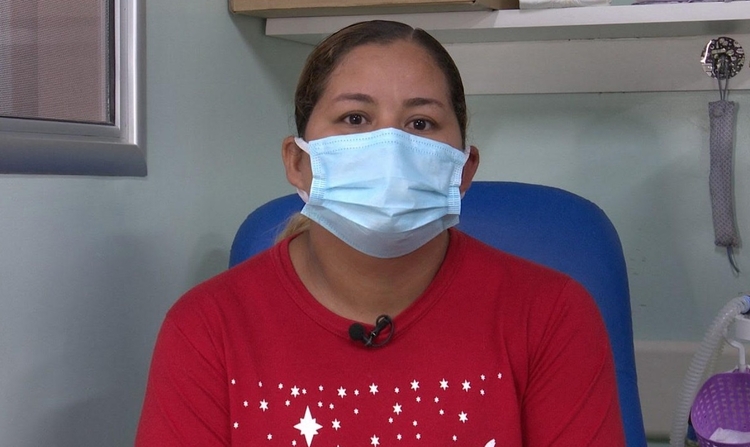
column 547, row 225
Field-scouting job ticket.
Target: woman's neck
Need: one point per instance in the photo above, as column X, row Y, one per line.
column 360, row 287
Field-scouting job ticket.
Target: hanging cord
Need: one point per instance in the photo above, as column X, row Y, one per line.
column 730, row 255
column 722, row 73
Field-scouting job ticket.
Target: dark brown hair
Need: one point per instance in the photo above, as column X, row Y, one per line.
column 328, row 54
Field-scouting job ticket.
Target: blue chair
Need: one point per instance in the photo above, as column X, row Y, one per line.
column 540, row 223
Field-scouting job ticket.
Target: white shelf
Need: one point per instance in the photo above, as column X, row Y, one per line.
column 594, row 22
column 587, row 49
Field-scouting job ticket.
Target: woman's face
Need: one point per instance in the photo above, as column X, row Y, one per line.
column 377, row 86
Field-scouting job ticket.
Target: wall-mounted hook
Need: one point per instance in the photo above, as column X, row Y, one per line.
column 722, row 58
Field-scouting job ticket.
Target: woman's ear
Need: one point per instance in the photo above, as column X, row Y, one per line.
column 296, row 164
column 470, row 168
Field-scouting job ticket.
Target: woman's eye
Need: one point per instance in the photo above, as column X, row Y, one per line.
column 354, row 119
column 421, row 124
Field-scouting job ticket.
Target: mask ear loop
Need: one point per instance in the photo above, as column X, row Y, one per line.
column 302, row 144
column 467, row 153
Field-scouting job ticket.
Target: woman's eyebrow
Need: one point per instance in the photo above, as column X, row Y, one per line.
column 411, row 102
column 419, row 101
column 359, row 97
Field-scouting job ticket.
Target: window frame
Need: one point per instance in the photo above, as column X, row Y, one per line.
column 30, row 146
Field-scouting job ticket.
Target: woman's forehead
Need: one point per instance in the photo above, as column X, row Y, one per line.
column 398, row 66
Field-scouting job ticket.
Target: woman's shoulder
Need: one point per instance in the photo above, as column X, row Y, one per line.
column 228, row 290
column 515, row 281
column 484, row 257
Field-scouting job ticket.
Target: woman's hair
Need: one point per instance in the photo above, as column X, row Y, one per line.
column 328, row 54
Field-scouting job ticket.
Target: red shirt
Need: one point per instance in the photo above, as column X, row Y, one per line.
column 497, row 351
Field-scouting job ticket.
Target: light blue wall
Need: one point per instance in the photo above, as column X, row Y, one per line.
column 644, row 159
column 88, row 266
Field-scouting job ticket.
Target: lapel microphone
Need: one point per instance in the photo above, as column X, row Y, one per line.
column 357, row 332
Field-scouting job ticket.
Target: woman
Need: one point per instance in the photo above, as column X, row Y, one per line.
column 373, row 322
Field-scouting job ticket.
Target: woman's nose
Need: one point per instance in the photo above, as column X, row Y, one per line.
column 388, row 122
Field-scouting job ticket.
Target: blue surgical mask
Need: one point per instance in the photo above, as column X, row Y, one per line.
column 384, row 193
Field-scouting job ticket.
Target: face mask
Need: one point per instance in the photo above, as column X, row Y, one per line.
column 384, row 193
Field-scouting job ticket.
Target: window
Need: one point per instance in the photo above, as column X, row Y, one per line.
column 70, row 87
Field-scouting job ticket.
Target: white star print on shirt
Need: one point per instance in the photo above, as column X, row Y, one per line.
column 375, row 440
column 308, row 427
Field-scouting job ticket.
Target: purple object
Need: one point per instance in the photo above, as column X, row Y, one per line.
column 722, row 402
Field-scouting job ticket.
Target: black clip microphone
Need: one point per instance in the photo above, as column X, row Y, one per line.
column 357, row 332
